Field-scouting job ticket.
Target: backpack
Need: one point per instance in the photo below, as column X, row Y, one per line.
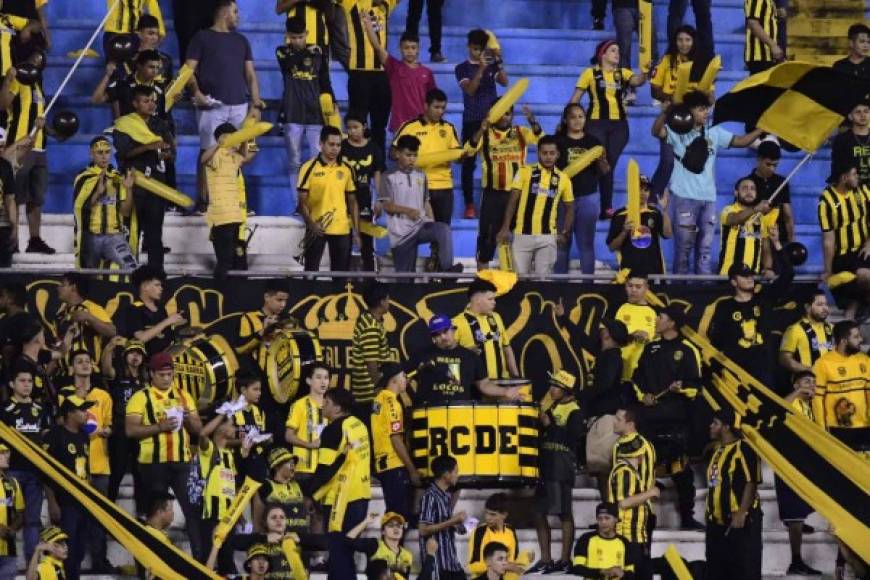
column 196, row 480
column 695, row 157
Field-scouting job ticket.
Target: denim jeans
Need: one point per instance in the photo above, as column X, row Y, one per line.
column 110, row 247
column 703, row 22
column 694, row 222
column 293, row 135
column 614, row 137
column 8, row 566
column 74, row 522
column 437, row 233
column 95, row 534
column 33, row 496
column 586, row 210
column 664, row 169
column 625, row 21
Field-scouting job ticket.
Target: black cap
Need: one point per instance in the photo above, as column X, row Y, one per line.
column 607, row 507
column 388, row 371
column 726, row 416
column 617, row 329
column 675, row 313
column 740, row 269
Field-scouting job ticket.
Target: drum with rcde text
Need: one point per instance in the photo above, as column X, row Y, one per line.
column 284, row 355
column 205, row 367
column 495, row 444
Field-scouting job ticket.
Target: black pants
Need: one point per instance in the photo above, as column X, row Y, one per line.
column 5, row 247
column 684, row 481
column 468, row 130
column 225, row 563
column 339, row 253
column 493, row 204
column 614, row 137
column 733, row 553
column 398, row 493
column 341, row 564
column 122, row 457
column 599, row 9
column 150, row 211
column 161, row 477
column 433, row 13
column 189, row 17
column 73, row 521
column 224, row 238
column 368, row 92
column 442, row 204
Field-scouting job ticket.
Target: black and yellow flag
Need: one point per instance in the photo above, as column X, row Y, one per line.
column 162, row 559
column 797, row 101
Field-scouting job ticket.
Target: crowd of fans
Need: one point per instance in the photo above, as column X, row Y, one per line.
column 100, row 393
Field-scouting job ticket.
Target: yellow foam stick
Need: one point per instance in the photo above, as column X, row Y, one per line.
column 492, row 43
column 633, row 185
column 246, row 134
column 237, row 507
column 684, row 71
column 329, row 111
column 505, row 257
column 583, row 161
column 644, row 34
column 373, row 230
column 438, row 157
column 507, row 100
column 841, row 279
column 181, row 80
column 162, row 190
column 502, row 280
column 676, row 563
column 89, row 53
column 768, row 220
column 705, row 85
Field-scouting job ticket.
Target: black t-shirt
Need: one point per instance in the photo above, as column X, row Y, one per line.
column 861, row 69
column 365, row 161
column 850, row 148
column 121, row 390
column 585, row 182
column 138, row 317
column 447, row 375
column 43, row 391
column 71, row 450
column 640, row 260
column 148, row 162
column 120, row 89
column 765, row 188
column 29, row 419
column 7, row 181
column 23, row 8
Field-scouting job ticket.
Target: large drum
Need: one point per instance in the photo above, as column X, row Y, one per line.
column 283, row 355
column 206, row 368
column 495, row 444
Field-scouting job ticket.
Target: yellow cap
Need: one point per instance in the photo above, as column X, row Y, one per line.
column 390, row 516
column 52, row 534
column 562, row 379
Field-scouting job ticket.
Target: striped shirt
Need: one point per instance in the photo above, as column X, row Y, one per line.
column 362, row 55
column 541, row 191
column 502, row 154
column 125, row 16
column 624, row 482
column 741, row 243
column 636, row 445
column 485, row 333
column 845, row 215
column 763, row 12
column 9, row 27
column 732, row 467
column 807, row 340
column 27, row 105
column 152, row 405
column 315, row 22
column 306, row 419
column 369, row 346
column 606, row 90
column 434, row 509
column 11, row 501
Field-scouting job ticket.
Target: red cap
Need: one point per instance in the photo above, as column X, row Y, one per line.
column 160, row 361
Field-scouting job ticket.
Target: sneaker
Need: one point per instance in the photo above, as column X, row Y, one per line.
column 540, row 567
column 38, row 246
column 437, row 57
column 455, row 268
column 559, row 567
column 807, row 529
column 597, row 24
column 691, row 524
column 469, row 214
column 799, row 568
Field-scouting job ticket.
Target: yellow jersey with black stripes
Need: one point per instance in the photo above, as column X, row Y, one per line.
column 434, row 137
column 306, row 419
column 541, row 191
column 606, row 89
column 218, row 468
column 842, row 391
column 624, row 482
column 485, row 334
column 740, row 243
column 502, row 153
column 124, row 17
column 807, row 340
column 362, row 55
column 636, row 445
column 328, row 185
column 50, row 569
column 85, row 337
column 846, row 215
column 11, row 503
column 733, row 466
column 9, row 27
column 387, row 420
column 316, row 31
column 105, row 215
column 763, row 12
column 27, row 105
column 153, row 405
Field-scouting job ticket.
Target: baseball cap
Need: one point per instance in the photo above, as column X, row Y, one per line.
column 388, row 371
column 675, row 313
column 4, row 448
column 562, row 379
column 279, row 456
column 617, row 329
column 74, row 403
column 134, row 344
column 740, row 269
column 160, row 361
column 440, row 323
column 390, row 516
column 608, row 508
column 255, row 551
column 52, row 534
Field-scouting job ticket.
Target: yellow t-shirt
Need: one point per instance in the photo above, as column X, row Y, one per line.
column 842, row 390
column 225, row 204
column 636, row 317
column 351, row 439
column 306, row 418
column 434, row 137
column 327, row 186
column 220, row 480
column 152, row 404
column 387, row 420
column 541, row 192
column 797, row 340
column 98, row 458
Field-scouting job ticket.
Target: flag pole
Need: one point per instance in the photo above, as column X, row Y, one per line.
column 77, row 62
column 789, row 176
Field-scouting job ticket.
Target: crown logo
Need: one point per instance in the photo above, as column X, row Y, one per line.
column 334, row 316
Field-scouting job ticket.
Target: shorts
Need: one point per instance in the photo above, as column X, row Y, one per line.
column 849, row 262
column 791, row 507
column 31, row 181
column 554, row 497
column 209, row 119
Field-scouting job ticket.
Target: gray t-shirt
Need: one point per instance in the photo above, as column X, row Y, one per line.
column 221, row 69
column 408, row 189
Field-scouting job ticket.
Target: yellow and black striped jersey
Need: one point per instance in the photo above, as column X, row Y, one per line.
column 606, row 90
column 763, row 12
column 362, row 55
column 847, row 216
column 740, row 243
column 486, row 334
column 541, row 192
column 624, row 482
column 732, row 467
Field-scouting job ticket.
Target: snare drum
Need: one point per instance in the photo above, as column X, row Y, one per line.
column 205, row 367
column 284, row 354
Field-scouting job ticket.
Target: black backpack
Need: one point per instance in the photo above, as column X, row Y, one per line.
column 695, row 157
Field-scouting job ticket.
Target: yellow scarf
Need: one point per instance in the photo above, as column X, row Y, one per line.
column 136, row 127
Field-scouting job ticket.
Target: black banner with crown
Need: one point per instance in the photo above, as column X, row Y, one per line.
column 330, row 310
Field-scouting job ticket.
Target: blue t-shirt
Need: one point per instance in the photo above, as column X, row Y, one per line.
column 476, row 106
column 698, row 186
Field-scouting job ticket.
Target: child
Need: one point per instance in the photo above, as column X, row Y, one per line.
column 281, row 489
column 251, row 421
column 52, row 544
column 103, row 208
column 495, row 557
column 225, row 208
column 388, row 547
column 563, row 429
column 494, row 532
column 645, row 255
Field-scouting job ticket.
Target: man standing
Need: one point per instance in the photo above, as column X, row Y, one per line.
column 767, row 181
column 146, row 318
column 481, row 329
column 342, row 481
column 162, row 418
column 761, row 46
column 743, row 234
column 477, row 78
column 603, row 553
column 536, row 193
column 733, row 513
column 433, row 13
column 328, row 205
column 438, row 520
column 11, row 515
column 694, row 186
column 640, row 320
column 852, row 147
column 369, row 350
column 81, row 323
column 634, row 497
column 857, row 62
column 809, row 338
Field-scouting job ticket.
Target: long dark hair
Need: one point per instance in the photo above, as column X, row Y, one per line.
column 562, row 127
column 672, row 44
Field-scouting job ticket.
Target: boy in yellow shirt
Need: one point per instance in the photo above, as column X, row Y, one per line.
column 226, row 207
